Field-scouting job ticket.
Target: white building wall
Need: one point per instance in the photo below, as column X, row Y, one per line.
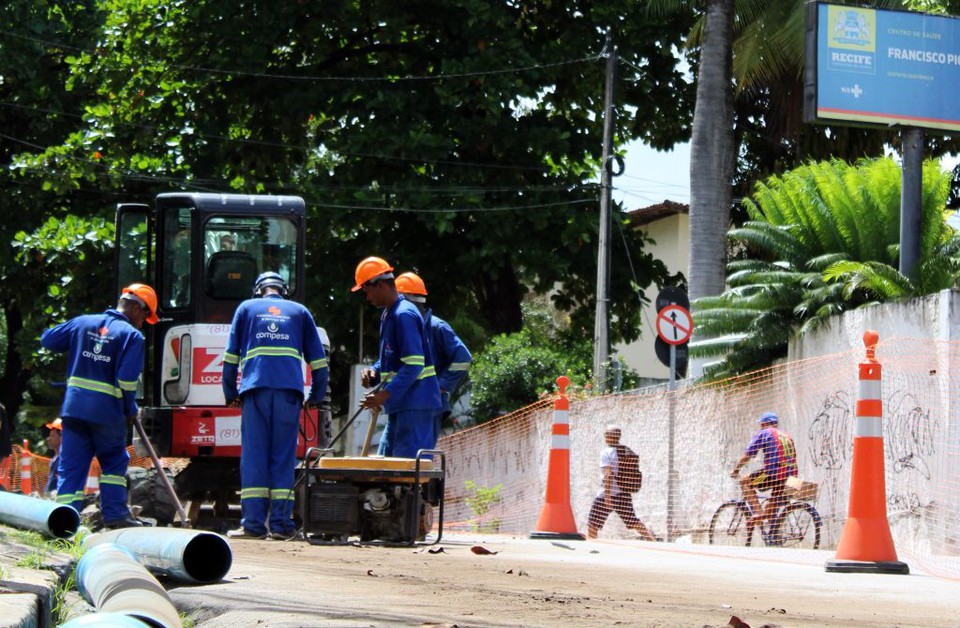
column 672, row 237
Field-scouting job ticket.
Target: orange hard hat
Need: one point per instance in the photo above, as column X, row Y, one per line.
column 410, row 283
column 145, row 297
column 369, row 269
column 55, row 424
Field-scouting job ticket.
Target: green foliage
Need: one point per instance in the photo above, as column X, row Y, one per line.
column 822, row 239
column 481, row 500
column 514, row 370
column 62, row 261
column 457, row 139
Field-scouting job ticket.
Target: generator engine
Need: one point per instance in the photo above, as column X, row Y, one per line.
column 389, row 500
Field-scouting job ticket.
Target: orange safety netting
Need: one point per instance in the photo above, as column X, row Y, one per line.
column 10, row 469
column 688, row 441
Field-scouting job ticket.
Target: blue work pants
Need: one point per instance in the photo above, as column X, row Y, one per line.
column 82, row 440
column 407, row 432
column 268, row 457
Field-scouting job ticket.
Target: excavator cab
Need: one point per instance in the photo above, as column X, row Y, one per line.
column 202, row 254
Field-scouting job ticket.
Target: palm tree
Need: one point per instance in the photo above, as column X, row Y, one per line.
column 821, row 239
column 754, row 49
column 712, row 152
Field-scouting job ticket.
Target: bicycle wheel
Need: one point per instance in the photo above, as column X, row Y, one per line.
column 731, row 524
column 798, row 526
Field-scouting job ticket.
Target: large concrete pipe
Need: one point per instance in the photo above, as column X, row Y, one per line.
column 114, row 620
column 110, row 578
column 56, row 520
column 191, row 556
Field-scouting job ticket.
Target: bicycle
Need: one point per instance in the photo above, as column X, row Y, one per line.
column 795, row 524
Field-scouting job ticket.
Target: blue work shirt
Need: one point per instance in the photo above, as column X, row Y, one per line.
column 104, row 362
column 269, row 339
column 451, row 358
column 406, row 363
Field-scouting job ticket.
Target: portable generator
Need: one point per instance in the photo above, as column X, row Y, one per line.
column 389, row 500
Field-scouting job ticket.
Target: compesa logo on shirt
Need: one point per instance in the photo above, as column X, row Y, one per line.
column 274, row 320
column 100, row 340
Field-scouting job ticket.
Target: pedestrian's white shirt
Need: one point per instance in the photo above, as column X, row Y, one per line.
column 609, row 459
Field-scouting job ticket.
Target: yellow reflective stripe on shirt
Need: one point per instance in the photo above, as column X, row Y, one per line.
column 128, row 386
column 413, row 360
column 318, row 364
column 231, row 358
column 261, row 492
column 387, row 376
column 285, row 352
column 428, row 371
column 95, row 386
column 116, row 480
column 459, row 366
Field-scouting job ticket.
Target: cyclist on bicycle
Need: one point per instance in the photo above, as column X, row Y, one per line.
column 779, row 463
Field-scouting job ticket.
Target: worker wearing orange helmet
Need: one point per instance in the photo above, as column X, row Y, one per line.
column 54, row 439
column 451, row 358
column 104, row 362
column 411, row 393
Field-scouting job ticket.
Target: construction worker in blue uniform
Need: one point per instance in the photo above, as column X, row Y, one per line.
column 411, row 393
column 451, row 358
column 269, row 340
column 104, row 361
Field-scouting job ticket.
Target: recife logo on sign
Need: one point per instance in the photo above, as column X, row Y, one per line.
column 853, row 41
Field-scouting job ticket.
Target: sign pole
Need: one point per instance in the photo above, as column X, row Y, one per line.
column 672, row 479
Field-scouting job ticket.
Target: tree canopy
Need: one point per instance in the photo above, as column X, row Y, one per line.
column 458, row 139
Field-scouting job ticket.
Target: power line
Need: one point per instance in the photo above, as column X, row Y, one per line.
column 348, row 79
column 249, row 142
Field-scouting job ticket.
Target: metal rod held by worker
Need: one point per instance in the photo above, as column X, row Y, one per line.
column 354, row 417
column 184, row 519
column 365, row 451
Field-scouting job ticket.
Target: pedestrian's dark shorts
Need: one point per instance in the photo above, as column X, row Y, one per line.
column 621, row 503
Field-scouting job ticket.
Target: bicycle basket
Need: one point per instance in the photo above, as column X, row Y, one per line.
column 795, row 488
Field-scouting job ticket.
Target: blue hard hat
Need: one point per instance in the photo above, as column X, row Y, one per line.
column 768, row 417
column 269, row 279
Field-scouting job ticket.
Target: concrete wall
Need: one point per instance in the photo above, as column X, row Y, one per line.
column 815, row 394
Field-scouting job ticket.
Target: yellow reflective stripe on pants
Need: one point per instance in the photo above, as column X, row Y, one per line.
column 260, row 492
column 282, row 493
column 116, row 480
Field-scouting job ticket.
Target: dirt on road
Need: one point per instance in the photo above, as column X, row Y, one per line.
column 522, row 582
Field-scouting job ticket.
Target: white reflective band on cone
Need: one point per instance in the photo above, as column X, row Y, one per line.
column 561, row 416
column 870, row 389
column 560, row 441
column 868, row 426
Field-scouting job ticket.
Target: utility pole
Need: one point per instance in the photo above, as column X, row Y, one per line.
column 911, row 201
column 601, row 333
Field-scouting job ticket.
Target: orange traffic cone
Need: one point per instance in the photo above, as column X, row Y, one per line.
column 556, row 518
column 866, row 544
column 5, row 473
column 26, row 473
column 93, row 479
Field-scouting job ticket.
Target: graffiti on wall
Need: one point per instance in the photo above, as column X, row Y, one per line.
column 830, row 431
column 910, row 434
